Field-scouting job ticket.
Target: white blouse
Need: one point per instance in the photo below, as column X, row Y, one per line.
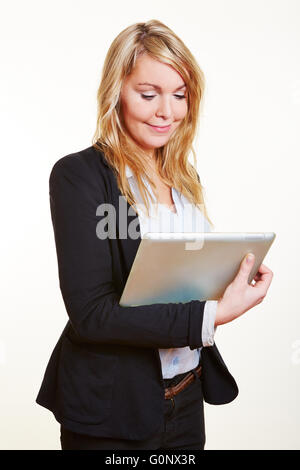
column 188, row 218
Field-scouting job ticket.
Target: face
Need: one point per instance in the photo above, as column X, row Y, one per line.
column 153, row 111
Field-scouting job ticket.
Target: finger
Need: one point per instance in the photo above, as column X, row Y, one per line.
column 263, row 283
column 264, row 269
column 245, row 268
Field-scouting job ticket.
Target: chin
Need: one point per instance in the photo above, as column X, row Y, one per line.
column 154, row 146
column 156, row 143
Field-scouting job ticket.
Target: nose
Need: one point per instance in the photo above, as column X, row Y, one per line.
column 164, row 108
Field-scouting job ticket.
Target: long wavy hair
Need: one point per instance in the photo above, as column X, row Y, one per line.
column 111, row 138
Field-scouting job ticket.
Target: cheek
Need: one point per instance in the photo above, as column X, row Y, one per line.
column 137, row 110
column 182, row 110
column 142, row 112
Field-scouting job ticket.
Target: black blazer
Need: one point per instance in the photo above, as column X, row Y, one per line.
column 104, row 375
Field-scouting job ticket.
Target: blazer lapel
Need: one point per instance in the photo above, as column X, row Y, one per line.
column 127, row 221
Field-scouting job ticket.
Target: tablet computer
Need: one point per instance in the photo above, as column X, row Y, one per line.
column 180, row 267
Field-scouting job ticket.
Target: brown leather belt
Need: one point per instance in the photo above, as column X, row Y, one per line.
column 189, row 378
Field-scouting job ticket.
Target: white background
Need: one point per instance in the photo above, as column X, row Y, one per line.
column 248, row 150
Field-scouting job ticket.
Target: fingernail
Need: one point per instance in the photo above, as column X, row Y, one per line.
column 249, row 257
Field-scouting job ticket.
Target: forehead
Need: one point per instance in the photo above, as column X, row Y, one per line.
column 151, row 70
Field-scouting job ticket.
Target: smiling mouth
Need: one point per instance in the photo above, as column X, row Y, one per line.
column 159, row 128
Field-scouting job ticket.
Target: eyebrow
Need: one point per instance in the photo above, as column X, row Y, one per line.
column 159, row 88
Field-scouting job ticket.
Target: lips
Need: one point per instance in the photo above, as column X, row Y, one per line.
column 160, row 128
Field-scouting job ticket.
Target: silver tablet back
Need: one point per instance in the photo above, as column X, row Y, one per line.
column 179, row 267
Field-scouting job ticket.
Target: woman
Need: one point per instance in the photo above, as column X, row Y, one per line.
column 136, row 377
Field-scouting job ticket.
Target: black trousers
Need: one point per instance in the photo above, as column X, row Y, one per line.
column 183, row 426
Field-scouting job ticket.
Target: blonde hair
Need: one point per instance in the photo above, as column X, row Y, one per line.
column 111, row 138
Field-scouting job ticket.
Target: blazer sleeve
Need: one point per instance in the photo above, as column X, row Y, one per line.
column 85, row 271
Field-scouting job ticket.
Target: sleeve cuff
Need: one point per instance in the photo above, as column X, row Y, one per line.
column 208, row 325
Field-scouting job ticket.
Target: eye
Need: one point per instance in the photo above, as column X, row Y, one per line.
column 147, row 97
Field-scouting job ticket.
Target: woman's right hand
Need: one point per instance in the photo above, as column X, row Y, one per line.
column 240, row 296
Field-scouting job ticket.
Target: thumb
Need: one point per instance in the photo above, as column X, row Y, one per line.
column 245, row 267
